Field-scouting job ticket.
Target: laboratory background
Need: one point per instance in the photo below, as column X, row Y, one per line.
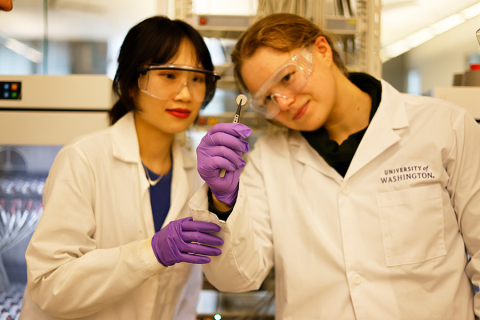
column 58, row 58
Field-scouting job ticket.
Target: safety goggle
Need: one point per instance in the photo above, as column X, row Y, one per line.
column 287, row 81
column 166, row 81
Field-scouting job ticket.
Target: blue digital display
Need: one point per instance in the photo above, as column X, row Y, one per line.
column 10, row 90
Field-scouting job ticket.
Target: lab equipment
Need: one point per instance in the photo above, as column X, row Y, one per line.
column 185, row 240
column 241, row 100
column 222, row 148
column 20, row 210
column 11, row 302
column 38, row 115
column 465, row 97
column 53, row 110
column 478, row 36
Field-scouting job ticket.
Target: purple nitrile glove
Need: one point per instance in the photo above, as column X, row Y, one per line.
column 174, row 243
column 222, row 148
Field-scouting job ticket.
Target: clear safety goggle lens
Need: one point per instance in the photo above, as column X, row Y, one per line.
column 285, row 82
column 165, row 82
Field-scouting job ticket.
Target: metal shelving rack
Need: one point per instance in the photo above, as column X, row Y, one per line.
column 358, row 32
column 369, row 35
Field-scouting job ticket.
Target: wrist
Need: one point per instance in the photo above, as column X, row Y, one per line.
column 219, row 205
column 225, row 202
column 156, row 250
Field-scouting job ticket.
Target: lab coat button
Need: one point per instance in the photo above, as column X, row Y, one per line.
column 346, row 190
column 356, row 279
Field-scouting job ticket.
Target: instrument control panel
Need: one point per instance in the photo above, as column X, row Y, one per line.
column 11, row 90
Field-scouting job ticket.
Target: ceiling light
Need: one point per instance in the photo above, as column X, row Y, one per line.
column 414, row 40
column 24, row 50
column 395, row 49
column 447, row 23
column 420, row 37
column 471, row 12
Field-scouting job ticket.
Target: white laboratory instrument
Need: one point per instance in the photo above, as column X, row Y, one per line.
column 38, row 115
column 465, row 97
column 52, row 110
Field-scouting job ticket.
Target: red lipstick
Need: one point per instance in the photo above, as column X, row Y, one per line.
column 179, row 112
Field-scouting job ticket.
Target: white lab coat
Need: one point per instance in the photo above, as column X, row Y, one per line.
column 387, row 241
column 90, row 256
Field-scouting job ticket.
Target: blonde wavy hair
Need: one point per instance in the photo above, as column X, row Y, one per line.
column 283, row 32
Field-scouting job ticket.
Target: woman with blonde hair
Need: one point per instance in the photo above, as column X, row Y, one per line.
column 364, row 204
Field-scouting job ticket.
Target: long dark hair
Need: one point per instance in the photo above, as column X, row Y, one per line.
column 155, row 40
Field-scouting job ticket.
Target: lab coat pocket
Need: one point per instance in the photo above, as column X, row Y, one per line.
column 412, row 224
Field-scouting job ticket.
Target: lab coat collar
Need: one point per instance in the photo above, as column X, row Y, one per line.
column 383, row 130
column 393, row 109
column 124, row 139
column 304, row 153
column 183, row 162
column 381, row 134
column 126, row 148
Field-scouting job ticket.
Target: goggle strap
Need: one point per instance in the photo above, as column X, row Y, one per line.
column 148, row 79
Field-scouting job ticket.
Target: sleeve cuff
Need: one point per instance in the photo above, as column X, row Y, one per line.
column 149, row 258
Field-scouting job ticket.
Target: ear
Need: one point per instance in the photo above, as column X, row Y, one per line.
column 132, row 92
column 323, row 47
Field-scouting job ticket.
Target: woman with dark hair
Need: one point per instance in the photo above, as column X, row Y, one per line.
column 99, row 250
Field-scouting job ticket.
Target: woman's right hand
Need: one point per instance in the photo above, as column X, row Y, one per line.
column 222, row 148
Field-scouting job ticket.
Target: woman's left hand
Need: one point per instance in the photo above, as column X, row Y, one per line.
column 186, row 240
